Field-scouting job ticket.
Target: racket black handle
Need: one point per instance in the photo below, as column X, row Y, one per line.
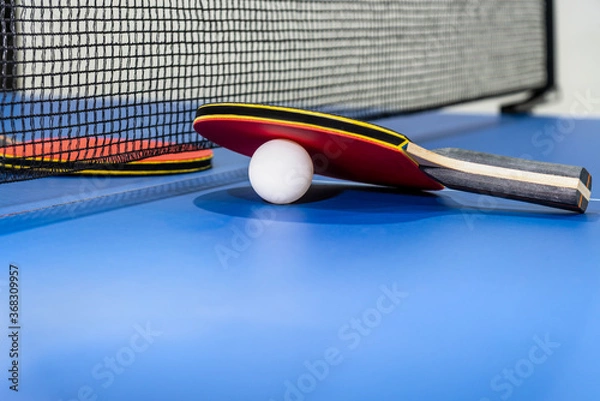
column 555, row 185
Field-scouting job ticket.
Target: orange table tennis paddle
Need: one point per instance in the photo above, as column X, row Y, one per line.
column 59, row 154
column 354, row 150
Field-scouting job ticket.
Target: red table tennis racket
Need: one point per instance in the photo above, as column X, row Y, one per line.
column 58, row 154
column 353, row 150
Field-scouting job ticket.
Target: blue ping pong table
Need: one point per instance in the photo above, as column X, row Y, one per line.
column 191, row 288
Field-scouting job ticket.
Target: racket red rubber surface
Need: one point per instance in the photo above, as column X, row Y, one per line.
column 339, row 147
column 59, row 153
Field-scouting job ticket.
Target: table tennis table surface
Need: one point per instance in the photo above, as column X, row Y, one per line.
column 189, row 287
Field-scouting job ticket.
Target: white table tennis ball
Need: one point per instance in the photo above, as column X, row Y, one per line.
column 280, row 171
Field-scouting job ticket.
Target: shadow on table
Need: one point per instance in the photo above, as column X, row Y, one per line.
column 340, row 203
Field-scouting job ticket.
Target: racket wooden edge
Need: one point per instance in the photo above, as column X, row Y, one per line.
column 558, row 186
column 571, row 199
column 563, row 170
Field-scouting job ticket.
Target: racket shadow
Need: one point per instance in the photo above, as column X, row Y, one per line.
column 355, row 204
column 326, row 204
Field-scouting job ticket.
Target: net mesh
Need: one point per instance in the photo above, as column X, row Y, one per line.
column 125, row 70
